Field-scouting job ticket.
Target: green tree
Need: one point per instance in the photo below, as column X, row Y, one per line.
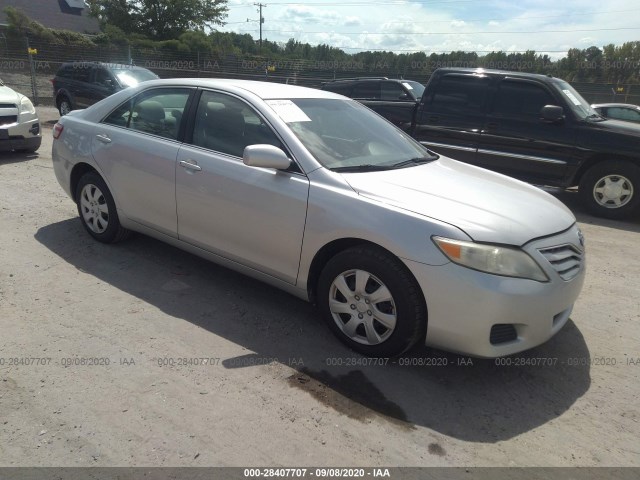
column 159, row 19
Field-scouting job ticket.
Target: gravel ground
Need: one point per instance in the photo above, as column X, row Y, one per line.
column 272, row 393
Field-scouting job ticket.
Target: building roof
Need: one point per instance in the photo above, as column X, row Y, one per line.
column 57, row 14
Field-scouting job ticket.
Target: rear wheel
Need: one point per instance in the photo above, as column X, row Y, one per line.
column 611, row 189
column 64, row 106
column 371, row 302
column 97, row 209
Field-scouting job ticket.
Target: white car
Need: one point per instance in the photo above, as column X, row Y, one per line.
column 19, row 124
column 316, row 194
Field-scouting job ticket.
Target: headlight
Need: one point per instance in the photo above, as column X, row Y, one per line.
column 495, row 259
column 26, row 106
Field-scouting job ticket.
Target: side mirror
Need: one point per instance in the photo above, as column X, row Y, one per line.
column 403, row 96
column 265, row 156
column 552, row 114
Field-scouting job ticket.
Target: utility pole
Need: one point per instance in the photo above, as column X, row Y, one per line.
column 260, row 5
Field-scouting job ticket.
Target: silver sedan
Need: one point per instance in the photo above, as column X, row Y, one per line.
column 315, row 194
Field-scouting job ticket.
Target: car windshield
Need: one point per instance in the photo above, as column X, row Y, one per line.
column 130, row 77
column 417, row 88
column 579, row 105
column 344, row 135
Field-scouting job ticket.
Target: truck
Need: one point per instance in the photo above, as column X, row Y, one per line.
column 536, row 128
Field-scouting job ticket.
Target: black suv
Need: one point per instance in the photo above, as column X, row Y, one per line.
column 392, row 98
column 80, row 84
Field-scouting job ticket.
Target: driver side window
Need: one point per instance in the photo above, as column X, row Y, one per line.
column 226, row 124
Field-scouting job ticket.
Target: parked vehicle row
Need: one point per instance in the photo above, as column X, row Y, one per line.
column 532, row 127
column 314, row 193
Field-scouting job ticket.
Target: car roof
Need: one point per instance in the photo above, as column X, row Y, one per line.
column 489, row 71
column 622, row 105
column 264, row 90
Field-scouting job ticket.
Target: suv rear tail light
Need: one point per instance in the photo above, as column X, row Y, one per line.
column 57, row 130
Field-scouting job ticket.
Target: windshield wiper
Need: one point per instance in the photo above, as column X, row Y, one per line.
column 362, row 168
column 413, row 161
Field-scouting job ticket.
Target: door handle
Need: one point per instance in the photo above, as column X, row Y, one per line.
column 190, row 165
column 103, row 138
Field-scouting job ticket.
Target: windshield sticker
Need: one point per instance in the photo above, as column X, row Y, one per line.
column 571, row 97
column 407, row 85
column 288, row 111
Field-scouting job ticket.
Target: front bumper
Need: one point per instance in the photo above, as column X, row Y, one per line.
column 465, row 307
column 21, row 135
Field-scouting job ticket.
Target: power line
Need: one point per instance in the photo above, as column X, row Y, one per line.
column 512, row 32
column 413, row 22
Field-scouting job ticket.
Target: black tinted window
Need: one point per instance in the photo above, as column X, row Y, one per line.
column 367, row 91
column 393, row 91
column 65, row 72
column 104, row 78
column 341, row 88
column 521, row 99
column 82, row 72
column 459, row 94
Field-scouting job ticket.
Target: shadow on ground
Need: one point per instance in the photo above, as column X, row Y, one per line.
column 7, row 158
column 482, row 402
column 571, row 199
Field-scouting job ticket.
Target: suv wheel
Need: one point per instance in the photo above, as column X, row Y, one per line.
column 64, row 106
column 611, row 189
column 371, row 302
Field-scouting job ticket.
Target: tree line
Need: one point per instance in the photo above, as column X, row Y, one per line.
column 188, row 26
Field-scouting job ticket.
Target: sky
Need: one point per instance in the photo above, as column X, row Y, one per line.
column 442, row 26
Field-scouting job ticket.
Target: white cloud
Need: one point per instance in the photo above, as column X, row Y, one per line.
column 548, row 25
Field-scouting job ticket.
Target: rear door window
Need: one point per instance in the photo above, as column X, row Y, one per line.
column 459, row 94
column 367, row 90
column 157, row 112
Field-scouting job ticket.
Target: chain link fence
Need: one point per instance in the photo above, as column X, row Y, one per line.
column 29, row 66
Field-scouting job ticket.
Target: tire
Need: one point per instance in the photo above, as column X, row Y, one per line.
column 352, row 312
column 64, row 105
column 97, row 210
column 611, row 189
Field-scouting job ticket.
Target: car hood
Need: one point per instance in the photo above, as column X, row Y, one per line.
column 487, row 206
column 7, row 95
column 618, row 126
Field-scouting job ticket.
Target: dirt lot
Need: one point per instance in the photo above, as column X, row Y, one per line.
column 274, row 392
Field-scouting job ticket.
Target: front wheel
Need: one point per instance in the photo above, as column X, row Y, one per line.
column 371, row 302
column 611, row 189
column 97, row 209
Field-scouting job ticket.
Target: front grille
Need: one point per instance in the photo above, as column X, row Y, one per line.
column 8, row 105
column 9, row 119
column 565, row 259
column 502, row 333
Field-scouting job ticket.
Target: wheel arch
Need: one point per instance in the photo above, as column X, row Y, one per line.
column 334, row 247
column 78, row 171
column 63, row 92
column 598, row 158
